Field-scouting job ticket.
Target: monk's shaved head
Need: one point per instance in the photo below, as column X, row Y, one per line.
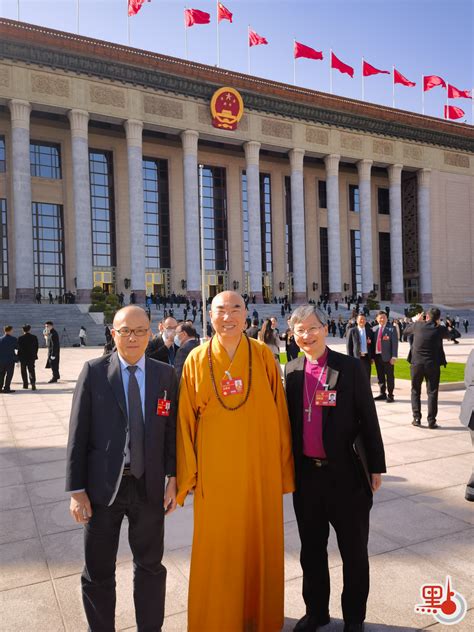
column 227, row 299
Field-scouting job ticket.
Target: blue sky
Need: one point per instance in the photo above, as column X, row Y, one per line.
column 417, row 36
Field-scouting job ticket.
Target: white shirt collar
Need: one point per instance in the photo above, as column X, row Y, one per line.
column 124, row 364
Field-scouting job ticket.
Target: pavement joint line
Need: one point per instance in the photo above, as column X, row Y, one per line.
column 435, row 458
column 411, row 544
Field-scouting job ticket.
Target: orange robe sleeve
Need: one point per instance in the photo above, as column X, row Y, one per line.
column 186, row 429
column 287, row 465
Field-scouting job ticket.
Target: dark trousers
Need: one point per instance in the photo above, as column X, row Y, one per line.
column 54, row 366
column 325, row 497
column 101, row 541
column 385, row 375
column 6, row 375
column 431, row 374
column 28, row 369
column 366, row 365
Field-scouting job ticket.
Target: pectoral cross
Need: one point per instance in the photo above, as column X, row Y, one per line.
column 308, row 412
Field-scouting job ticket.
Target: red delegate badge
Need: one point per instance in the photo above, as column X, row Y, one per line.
column 164, row 407
column 232, row 386
column 326, row 398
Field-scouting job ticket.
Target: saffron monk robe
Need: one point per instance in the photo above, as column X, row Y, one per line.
column 234, row 451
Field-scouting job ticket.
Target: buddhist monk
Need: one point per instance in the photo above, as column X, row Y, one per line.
column 234, row 451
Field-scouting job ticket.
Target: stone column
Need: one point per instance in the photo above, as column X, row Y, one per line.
column 189, row 139
column 424, row 235
column 364, row 168
column 297, row 225
column 134, row 131
column 252, row 150
column 79, row 121
column 22, row 214
column 396, row 235
column 334, row 237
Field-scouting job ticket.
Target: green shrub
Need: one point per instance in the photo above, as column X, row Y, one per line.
column 414, row 309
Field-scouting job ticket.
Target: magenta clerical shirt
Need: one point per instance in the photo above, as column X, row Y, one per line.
column 314, row 374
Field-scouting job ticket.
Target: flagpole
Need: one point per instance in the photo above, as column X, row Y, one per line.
column 330, row 71
column 423, row 94
column 362, row 73
column 217, row 27
column 185, row 38
column 393, row 86
column 128, row 29
column 294, row 63
column 248, row 47
column 18, row 9
column 446, row 116
column 78, row 16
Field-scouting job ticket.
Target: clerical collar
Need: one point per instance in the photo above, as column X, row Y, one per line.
column 322, row 360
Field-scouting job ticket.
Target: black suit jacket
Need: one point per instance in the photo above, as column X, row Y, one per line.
column 98, row 430
column 53, row 344
column 353, row 342
column 353, row 415
column 182, row 354
column 8, row 346
column 427, row 345
column 27, row 348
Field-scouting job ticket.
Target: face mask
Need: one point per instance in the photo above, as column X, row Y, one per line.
column 177, row 341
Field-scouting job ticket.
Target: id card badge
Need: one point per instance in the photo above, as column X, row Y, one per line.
column 232, row 386
column 163, row 408
column 326, row 398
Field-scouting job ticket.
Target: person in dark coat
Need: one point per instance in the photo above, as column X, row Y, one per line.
column 360, row 343
column 28, row 354
column 252, row 331
column 331, row 409
column 426, row 357
column 8, row 357
column 53, row 351
column 186, row 339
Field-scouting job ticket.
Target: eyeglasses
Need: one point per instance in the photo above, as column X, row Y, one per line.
column 125, row 332
column 312, row 330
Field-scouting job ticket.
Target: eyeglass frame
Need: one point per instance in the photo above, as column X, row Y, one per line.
column 131, row 331
column 314, row 329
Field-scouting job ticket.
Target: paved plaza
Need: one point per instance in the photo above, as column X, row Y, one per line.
column 422, row 528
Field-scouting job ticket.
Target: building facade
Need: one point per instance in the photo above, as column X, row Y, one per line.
column 108, row 159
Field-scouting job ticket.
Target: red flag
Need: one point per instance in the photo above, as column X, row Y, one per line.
column 134, row 6
column 399, row 78
column 341, row 66
column 195, row 16
column 454, row 93
column 255, row 39
column 451, row 112
column 431, row 81
column 300, row 50
column 368, row 70
column 223, row 13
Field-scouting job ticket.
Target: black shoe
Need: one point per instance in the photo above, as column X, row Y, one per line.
column 33, row 387
column 8, row 390
column 353, row 627
column 390, row 399
column 433, row 425
column 416, row 422
column 380, row 397
column 52, row 381
column 25, row 386
column 310, row 623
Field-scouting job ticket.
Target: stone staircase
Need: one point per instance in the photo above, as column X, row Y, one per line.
column 67, row 321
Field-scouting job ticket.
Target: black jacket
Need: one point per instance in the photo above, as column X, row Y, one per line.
column 8, row 345
column 98, row 429
column 27, row 348
column 427, row 345
column 252, row 332
column 353, row 342
column 53, row 344
column 353, row 414
column 182, row 354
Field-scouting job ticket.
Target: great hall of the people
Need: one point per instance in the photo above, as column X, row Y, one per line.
column 110, row 155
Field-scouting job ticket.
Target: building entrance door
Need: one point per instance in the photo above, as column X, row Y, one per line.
column 105, row 280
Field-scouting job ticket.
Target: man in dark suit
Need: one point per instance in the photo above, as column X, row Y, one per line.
column 161, row 347
column 386, row 352
column 331, row 406
column 252, row 331
column 53, row 351
column 28, row 354
column 186, row 339
column 8, row 357
column 122, row 444
column 360, row 343
column 426, row 357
